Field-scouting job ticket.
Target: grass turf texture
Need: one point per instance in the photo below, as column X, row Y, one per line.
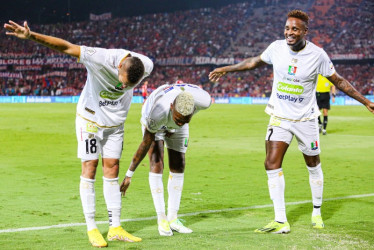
column 39, row 182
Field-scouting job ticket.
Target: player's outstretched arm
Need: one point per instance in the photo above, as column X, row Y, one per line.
column 342, row 84
column 144, row 146
column 247, row 64
column 24, row 32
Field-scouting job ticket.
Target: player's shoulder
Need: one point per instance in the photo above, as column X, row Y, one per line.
column 314, row 48
column 279, row 43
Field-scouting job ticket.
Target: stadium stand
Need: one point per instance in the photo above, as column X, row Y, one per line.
column 188, row 44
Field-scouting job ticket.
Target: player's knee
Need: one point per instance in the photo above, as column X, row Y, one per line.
column 177, row 168
column 157, row 167
column 312, row 161
column 89, row 169
column 271, row 165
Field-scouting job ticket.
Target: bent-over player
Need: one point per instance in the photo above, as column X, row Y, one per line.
column 165, row 117
column 101, row 113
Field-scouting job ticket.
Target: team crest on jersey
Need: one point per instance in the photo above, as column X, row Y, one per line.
column 314, row 145
column 90, row 51
column 292, row 70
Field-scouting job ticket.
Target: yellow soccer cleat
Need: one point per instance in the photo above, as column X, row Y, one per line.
column 275, row 228
column 164, row 228
column 317, row 222
column 118, row 233
column 96, row 239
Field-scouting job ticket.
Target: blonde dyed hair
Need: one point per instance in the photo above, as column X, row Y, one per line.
column 184, row 103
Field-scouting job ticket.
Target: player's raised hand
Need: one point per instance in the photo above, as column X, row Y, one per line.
column 125, row 185
column 14, row 29
column 216, row 74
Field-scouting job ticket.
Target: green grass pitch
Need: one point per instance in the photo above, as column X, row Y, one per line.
column 39, row 182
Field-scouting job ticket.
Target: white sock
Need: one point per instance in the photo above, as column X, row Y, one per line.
column 316, row 185
column 112, row 197
column 175, row 187
column 276, row 186
column 87, row 193
column 157, row 190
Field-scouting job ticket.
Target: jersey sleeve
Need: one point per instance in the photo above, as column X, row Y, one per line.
column 156, row 118
column 266, row 56
column 326, row 67
column 202, row 100
column 92, row 57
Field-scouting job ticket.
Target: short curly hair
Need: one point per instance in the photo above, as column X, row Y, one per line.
column 135, row 71
column 300, row 15
column 184, row 103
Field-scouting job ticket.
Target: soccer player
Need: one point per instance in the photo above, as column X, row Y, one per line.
column 101, row 113
column 145, row 90
column 324, row 87
column 165, row 118
column 293, row 110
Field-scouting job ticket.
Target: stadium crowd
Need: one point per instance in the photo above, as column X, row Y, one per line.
column 342, row 28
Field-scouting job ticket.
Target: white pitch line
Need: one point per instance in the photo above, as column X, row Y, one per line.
column 13, row 230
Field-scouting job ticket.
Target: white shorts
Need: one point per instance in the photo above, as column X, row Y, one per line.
column 306, row 133
column 178, row 141
column 94, row 141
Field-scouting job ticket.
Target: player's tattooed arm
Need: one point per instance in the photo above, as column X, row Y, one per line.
column 247, row 64
column 24, row 32
column 143, row 148
column 342, row 84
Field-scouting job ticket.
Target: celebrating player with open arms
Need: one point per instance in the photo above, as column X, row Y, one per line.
column 293, row 110
column 165, row 118
column 101, row 113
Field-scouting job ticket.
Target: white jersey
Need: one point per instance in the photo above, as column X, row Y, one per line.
column 156, row 114
column 102, row 100
column 295, row 79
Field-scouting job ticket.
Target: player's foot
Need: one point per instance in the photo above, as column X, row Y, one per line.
column 317, row 222
column 177, row 225
column 324, row 131
column 96, row 239
column 118, row 233
column 164, row 228
column 320, row 128
column 275, row 228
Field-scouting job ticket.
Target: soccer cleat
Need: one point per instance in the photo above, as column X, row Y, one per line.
column 275, row 228
column 324, row 131
column 118, row 233
column 317, row 222
column 164, row 228
column 96, row 239
column 177, row 225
